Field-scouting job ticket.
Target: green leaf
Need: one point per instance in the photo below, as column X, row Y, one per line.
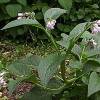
column 13, row 9
column 19, row 68
column 48, row 67
column 23, row 67
column 54, row 83
column 66, row 4
column 75, row 64
column 87, row 35
column 23, row 2
column 92, row 65
column 95, row 6
column 77, row 50
column 37, row 94
column 4, row 1
column 12, row 84
column 77, row 30
column 80, row 14
column 97, row 96
column 44, row 9
column 20, row 22
column 64, row 28
column 64, row 36
column 32, row 60
column 1, row 65
column 85, row 79
column 92, row 52
column 94, row 83
column 78, row 91
column 53, row 13
column 64, row 42
column 39, row 16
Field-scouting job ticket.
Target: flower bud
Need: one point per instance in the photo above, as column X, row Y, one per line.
column 20, row 14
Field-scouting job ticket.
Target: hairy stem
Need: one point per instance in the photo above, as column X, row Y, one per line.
column 52, row 39
column 63, row 69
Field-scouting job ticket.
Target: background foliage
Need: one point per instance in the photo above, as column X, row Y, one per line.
column 77, row 11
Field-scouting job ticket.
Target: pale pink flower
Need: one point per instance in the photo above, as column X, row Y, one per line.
column 98, row 22
column 50, row 24
column 96, row 27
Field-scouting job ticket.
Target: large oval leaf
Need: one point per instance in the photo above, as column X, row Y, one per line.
column 19, row 68
column 92, row 65
column 53, row 13
column 77, row 30
column 23, row 2
column 48, row 66
column 94, row 83
column 64, row 42
column 22, row 22
column 12, row 84
column 37, row 94
column 66, row 4
column 13, row 9
column 23, row 67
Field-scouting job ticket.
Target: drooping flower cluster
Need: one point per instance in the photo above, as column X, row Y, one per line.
column 2, row 80
column 96, row 27
column 50, row 24
column 25, row 15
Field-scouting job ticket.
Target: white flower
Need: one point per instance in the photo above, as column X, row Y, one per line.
column 23, row 15
column 51, row 24
column 2, row 80
column 26, row 15
column 19, row 17
column 20, row 14
column 96, row 27
column 92, row 43
column 1, row 74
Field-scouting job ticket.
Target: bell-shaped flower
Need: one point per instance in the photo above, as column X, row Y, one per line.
column 96, row 27
column 50, row 24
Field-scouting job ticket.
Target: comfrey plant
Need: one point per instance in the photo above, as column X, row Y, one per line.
column 80, row 53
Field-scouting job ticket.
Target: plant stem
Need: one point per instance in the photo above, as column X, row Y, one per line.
column 63, row 69
column 62, row 66
column 72, row 43
column 52, row 39
column 51, row 90
column 81, row 55
column 88, row 26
